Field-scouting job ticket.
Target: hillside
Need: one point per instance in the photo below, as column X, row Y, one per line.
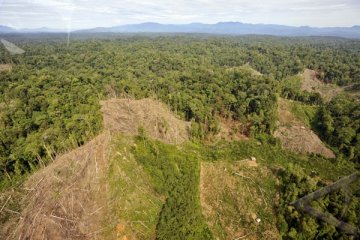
column 177, row 137
column 71, row 198
column 65, row 199
column 127, row 116
column 312, row 84
column 5, row 29
column 104, row 190
column 234, row 201
column 296, row 135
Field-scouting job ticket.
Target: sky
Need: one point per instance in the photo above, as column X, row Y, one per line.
column 80, row 14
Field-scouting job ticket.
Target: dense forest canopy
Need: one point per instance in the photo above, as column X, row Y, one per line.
column 49, row 103
column 49, row 100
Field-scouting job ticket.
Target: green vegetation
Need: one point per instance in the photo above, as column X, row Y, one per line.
column 293, row 224
column 136, row 205
column 175, row 174
column 291, row 89
column 298, row 175
column 339, row 125
column 304, row 113
column 49, row 103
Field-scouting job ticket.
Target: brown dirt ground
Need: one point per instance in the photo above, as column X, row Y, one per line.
column 68, row 198
column 311, row 83
column 295, row 136
column 354, row 93
column 126, row 116
column 65, row 199
column 5, row 67
column 230, row 131
column 231, row 197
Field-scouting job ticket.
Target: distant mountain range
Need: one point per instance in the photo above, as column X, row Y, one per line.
column 5, row 29
column 228, row 28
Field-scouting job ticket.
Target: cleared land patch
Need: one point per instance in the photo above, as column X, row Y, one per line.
column 5, row 67
column 296, row 136
column 127, row 116
column 230, row 130
column 97, row 190
column 312, row 84
column 66, row 199
column 235, row 203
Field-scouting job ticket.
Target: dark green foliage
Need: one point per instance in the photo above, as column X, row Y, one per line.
column 49, row 103
column 339, row 125
column 291, row 89
column 175, row 174
column 43, row 115
column 295, row 183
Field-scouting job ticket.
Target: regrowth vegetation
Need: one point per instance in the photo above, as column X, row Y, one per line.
column 175, row 174
column 50, row 99
column 50, row 103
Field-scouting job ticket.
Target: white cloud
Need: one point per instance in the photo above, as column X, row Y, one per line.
column 92, row 13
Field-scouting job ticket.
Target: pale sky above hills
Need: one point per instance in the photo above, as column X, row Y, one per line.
column 77, row 14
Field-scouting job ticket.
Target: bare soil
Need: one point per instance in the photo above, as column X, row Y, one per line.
column 5, row 67
column 296, row 136
column 230, row 130
column 127, row 116
column 233, row 199
column 66, row 199
column 311, row 83
column 69, row 199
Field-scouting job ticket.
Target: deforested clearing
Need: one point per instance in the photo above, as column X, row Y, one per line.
column 234, row 201
column 5, row 67
column 127, row 116
column 311, row 83
column 76, row 195
column 217, row 136
column 296, row 136
column 65, row 200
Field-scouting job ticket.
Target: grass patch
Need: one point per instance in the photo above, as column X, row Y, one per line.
column 175, row 174
column 274, row 157
column 234, row 198
column 304, row 113
column 11, row 195
column 276, row 160
column 135, row 205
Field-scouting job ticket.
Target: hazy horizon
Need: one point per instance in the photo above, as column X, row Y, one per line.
column 75, row 29
column 84, row 14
